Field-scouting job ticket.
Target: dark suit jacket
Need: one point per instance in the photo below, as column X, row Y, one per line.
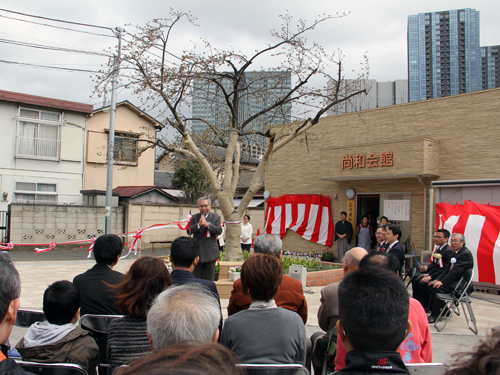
column 182, row 277
column 447, row 253
column 97, row 297
column 290, row 296
column 451, row 276
column 209, row 248
column 398, row 250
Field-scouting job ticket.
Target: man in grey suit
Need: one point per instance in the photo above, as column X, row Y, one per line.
column 205, row 227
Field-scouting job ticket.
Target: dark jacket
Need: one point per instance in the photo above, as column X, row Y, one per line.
column 367, row 362
column 97, row 297
column 9, row 366
column 181, row 277
column 451, row 275
column 344, row 228
column 76, row 347
column 434, row 269
column 209, row 247
column 398, row 250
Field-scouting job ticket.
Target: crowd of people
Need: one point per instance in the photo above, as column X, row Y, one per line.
column 171, row 322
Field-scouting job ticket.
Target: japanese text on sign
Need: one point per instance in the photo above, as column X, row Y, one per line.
column 362, row 161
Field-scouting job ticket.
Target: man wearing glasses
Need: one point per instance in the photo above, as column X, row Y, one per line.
column 440, row 259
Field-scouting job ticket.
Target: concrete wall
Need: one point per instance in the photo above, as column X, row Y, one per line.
column 43, row 224
column 49, row 223
column 143, row 215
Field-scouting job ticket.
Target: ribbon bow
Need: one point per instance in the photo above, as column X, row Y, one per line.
column 137, row 239
column 52, row 245
column 9, row 246
column 91, row 247
column 185, row 221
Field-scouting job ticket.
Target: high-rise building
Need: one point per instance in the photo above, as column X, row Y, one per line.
column 491, row 67
column 444, row 56
column 380, row 94
column 258, row 90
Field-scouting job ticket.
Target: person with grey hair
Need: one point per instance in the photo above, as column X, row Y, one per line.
column 328, row 312
column 10, row 291
column 448, row 279
column 205, row 227
column 183, row 313
column 290, row 294
column 268, row 244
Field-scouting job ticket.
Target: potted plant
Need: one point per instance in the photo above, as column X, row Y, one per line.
column 235, row 272
column 217, row 270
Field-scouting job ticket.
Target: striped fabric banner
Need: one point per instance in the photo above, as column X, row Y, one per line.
column 309, row 216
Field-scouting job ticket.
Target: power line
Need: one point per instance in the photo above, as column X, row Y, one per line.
column 58, row 27
column 48, row 67
column 57, row 20
column 41, row 46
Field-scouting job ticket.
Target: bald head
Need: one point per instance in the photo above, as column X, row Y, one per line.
column 352, row 259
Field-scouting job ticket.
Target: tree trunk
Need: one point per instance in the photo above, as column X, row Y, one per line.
column 233, row 232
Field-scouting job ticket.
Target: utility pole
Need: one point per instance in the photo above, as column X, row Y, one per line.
column 111, row 136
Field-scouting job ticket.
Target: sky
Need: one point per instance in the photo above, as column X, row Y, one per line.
column 378, row 28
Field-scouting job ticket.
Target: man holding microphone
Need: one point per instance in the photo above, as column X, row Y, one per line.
column 205, row 227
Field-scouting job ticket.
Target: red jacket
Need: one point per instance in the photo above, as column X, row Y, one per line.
column 290, row 296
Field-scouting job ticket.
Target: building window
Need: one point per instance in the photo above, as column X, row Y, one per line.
column 38, row 135
column 32, row 192
column 125, row 151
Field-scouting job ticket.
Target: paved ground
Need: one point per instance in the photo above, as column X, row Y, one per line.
column 39, row 270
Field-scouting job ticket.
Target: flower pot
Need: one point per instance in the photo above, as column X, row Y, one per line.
column 216, row 276
column 234, row 275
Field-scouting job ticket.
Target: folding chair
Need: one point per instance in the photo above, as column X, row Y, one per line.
column 25, row 318
column 427, row 368
column 51, row 368
column 458, row 297
column 262, row 369
column 410, row 275
column 98, row 325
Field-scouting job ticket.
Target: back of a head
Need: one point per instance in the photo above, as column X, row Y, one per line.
column 261, row 276
column 187, row 312
column 107, row 248
column 184, row 251
column 386, row 261
column 353, row 257
column 484, row 360
column 373, row 309
column 186, row 359
column 267, row 244
column 146, row 278
column 10, row 284
column 61, row 301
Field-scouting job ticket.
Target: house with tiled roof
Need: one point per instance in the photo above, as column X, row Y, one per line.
column 133, row 166
column 42, row 149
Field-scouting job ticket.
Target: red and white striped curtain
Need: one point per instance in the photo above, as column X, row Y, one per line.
column 480, row 224
column 309, row 216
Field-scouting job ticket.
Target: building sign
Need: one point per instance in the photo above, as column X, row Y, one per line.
column 351, row 211
column 398, row 210
column 362, row 161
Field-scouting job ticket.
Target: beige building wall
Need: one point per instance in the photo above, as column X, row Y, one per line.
column 128, row 123
column 449, row 138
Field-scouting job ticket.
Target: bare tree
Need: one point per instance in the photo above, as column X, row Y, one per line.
column 247, row 103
